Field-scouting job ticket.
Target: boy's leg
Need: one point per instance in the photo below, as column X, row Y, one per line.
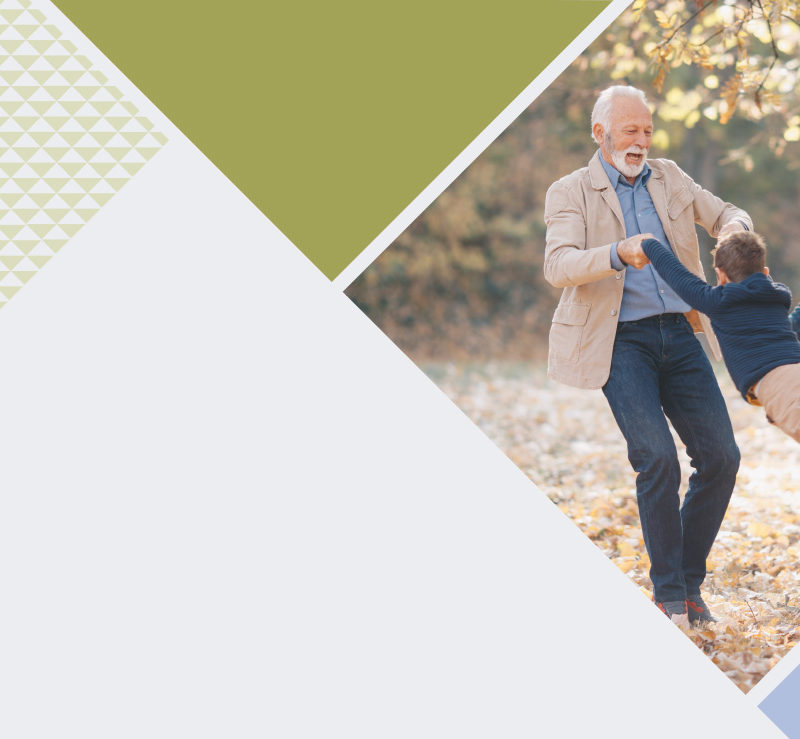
column 779, row 393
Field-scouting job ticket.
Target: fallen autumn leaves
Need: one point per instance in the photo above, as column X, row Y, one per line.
column 566, row 441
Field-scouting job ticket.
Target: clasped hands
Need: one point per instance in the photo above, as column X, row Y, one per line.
column 631, row 253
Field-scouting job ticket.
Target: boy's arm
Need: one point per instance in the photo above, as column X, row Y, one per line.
column 692, row 289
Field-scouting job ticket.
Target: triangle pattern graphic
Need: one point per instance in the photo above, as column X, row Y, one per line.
column 70, row 141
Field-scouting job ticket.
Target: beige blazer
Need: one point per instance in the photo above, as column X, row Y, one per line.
column 584, row 219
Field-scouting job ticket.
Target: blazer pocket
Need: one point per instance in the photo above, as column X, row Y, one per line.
column 566, row 331
column 679, row 202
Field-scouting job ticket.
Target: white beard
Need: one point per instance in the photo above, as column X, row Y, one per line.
column 618, row 158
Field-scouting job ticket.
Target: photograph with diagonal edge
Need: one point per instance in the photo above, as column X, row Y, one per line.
column 464, row 292
column 71, row 141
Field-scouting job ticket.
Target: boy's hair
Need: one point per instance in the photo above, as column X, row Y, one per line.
column 740, row 255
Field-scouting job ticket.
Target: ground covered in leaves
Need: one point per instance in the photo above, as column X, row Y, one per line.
column 566, row 441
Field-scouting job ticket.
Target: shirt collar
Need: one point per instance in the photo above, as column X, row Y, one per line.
column 616, row 176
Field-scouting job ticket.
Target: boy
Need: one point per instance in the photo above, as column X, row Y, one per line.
column 749, row 314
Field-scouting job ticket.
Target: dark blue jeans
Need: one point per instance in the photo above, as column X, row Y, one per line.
column 659, row 369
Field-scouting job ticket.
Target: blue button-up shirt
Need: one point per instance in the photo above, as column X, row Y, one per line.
column 645, row 293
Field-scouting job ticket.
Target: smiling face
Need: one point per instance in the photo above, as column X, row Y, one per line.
column 625, row 143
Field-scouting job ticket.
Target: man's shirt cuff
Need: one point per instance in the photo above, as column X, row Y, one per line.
column 616, row 262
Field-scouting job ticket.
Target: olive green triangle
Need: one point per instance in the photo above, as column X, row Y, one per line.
column 56, row 214
column 83, row 61
column 41, row 198
column 71, row 137
column 86, row 91
column 71, row 106
column 102, row 197
column 133, row 137
column 72, row 75
column 117, row 122
column 42, row 229
column 40, row 259
column 87, row 183
column 11, row 168
column 9, row 262
column 132, row 167
column 55, row 60
column 40, row 106
column 71, row 168
column 41, row 17
column 117, row 152
column 11, row 198
column 130, row 107
column 56, row 182
column 117, row 182
column 55, row 244
column 9, row 290
column 56, row 151
column 41, row 168
column 11, row 106
column 70, row 228
column 10, row 231
column 86, row 213
column 103, row 137
column 41, row 75
column 103, row 168
column 26, row 121
column 26, row 152
column 11, row 137
column 146, row 124
column 103, row 106
column 41, row 137
column 87, row 121
column 26, row 245
column 10, row 76
column 115, row 92
column 42, row 45
column 56, row 91
column 56, row 121
column 26, row 183
column 9, row 16
column 516, row 42
column 71, row 198
column 26, row 60
column 87, row 152
column 25, row 91
column 147, row 151
column 26, row 213
column 24, row 275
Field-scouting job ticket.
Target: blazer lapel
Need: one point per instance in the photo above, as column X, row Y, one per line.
column 658, row 194
column 600, row 182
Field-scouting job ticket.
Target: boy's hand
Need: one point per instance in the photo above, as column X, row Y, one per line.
column 630, row 250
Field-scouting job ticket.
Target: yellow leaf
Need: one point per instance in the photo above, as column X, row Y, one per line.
column 759, row 530
column 663, row 19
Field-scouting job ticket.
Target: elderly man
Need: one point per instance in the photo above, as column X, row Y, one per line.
column 625, row 331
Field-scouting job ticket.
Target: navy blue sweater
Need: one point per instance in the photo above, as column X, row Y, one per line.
column 750, row 318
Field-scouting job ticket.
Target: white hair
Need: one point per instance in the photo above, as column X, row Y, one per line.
column 601, row 113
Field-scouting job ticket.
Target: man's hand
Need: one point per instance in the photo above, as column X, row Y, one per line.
column 630, row 251
column 730, row 228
